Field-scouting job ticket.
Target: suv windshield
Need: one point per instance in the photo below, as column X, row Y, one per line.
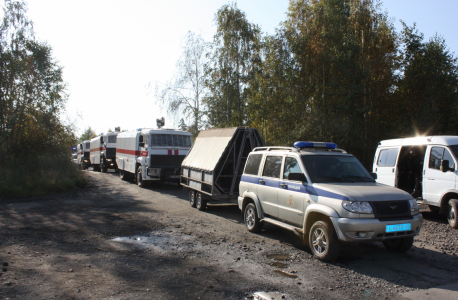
column 335, row 168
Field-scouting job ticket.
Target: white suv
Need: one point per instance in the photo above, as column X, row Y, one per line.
column 325, row 196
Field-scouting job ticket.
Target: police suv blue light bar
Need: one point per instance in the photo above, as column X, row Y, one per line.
column 302, row 145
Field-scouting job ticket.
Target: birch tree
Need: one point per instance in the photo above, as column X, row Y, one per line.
column 182, row 96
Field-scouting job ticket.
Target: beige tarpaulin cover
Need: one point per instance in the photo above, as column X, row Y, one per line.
column 208, row 148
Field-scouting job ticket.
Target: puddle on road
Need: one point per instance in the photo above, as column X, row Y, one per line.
column 157, row 240
column 279, row 257
column 278, row 265
column 268, row 296
column 281, row 273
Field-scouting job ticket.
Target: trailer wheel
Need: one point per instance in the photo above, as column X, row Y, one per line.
column 251, row 219
column 140, row 182
column 201, row 204
column 192, row 198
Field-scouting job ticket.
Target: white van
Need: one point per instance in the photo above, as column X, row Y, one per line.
column 424, row 166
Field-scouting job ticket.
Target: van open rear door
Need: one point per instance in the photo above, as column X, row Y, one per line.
column 385, row 165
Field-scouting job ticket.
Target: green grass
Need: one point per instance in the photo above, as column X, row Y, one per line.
column 39, row 176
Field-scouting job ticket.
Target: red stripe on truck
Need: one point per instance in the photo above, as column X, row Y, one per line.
column 98, row 149
column 129, row 152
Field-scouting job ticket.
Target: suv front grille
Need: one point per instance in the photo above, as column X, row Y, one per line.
column 391, row 209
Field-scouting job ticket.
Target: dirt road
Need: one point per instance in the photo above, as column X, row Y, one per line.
column 114, row 240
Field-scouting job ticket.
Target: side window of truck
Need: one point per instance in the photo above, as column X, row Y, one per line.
column 291, row 166
column 272, row 167
column 252, row 164
column 387, row 157
column 448, row 156
column 435, row 158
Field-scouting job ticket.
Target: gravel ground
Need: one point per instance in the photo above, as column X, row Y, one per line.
column 114, row 240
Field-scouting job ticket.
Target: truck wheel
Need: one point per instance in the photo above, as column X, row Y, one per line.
column 192, row 198
column 104, row 169
column 140, row 182
column 250, row 215
column 323, row 241
column 399, row 245
column 122, row 175
column 201, row 204
column 452, row 210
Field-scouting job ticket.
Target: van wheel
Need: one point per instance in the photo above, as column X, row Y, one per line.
column 399, row 245
column 192, row 198
column 452, row 210
column 251, row 219
column 140, row 182
column 323, row 241
column 201, row 204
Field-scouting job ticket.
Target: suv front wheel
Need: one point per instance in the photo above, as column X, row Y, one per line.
column 323, row 241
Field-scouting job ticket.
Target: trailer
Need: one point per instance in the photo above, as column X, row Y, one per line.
column 83, row 151
column 213, row 168
column 149, row 155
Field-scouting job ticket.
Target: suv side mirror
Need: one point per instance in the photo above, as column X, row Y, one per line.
column 444, row 166
column 141, row 144
column 297, row 177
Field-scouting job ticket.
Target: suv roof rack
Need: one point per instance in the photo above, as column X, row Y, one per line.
column 273, row 148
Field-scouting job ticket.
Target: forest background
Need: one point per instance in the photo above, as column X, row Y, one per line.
column 335, row 70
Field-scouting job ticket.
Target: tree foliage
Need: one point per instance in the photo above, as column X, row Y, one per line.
column 32, row 92
column 35, row 145
column 184, row 94
column 235, row 50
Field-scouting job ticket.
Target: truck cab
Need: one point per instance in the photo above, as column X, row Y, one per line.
column 149, row 155
column 425, row 167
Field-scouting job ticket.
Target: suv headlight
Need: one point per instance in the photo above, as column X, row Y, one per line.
column 360, row 207
column 413, row 206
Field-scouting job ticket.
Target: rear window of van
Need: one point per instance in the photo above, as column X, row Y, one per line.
column 387, row 157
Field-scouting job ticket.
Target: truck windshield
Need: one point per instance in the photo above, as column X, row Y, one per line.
column 112, row 139
column 170, row 140
column 454, row 149
column 335, row 168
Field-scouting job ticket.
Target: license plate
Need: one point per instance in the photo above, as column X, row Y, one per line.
column 398, row 227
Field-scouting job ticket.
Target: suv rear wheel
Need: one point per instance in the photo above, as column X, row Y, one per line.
column 323, row 241
column 399, row 245
column 250, row 216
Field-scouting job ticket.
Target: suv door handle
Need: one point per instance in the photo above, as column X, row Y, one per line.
column 261, row 181
column 283, row 185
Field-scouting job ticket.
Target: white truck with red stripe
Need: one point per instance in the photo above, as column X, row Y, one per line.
column 83, row 151
column 97, row 147
column 103, row 152
column 152, row 154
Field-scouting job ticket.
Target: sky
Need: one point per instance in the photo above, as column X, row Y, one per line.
column 112, row 50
